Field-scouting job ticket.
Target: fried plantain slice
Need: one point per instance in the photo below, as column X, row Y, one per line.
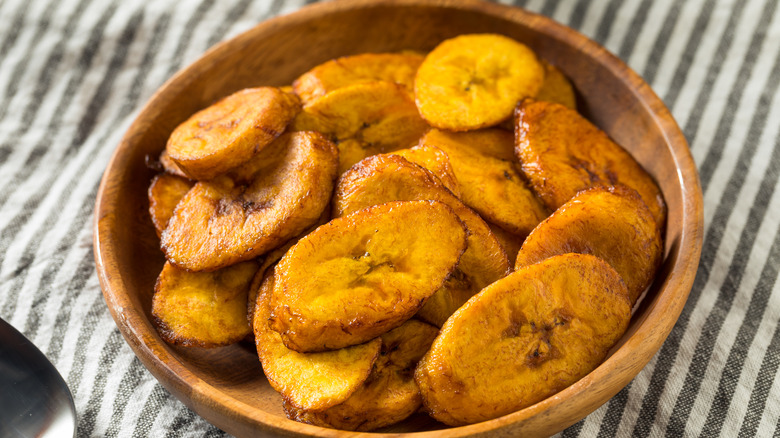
column 524, row 338
column 556, row 88
column 221, row 222
column 562, row 154
column 612, row 223
column 475, row 81
column 364, row 119
column 434, row 160
column 165, row 192
column 363, row 274
column 398, row 68
column 231, row 131
column 203, row 309
column 389, row 395
column 311, row 381
column 385, row 178
column 489, row 182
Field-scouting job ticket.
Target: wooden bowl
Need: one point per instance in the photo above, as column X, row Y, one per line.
column 226, row 386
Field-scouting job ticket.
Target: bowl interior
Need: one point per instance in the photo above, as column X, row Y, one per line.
column 227, row 385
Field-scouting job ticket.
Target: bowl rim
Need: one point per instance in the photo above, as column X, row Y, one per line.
column 214, row 405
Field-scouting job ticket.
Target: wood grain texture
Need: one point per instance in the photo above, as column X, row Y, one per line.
column 227, row 386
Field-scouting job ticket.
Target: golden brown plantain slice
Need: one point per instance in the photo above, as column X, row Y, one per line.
column 389, row 395
column 364, row 119
column 230, row 132
column 311, row 381
column 612, row 223
column 385, row 178
column 524, row 338
column 556, row 88
column 562, row 154
column 203, row 309
column 165, row 192
column 436, row 161
column 398, row 68
column 361, row 275
column 169, row 166
column 475, row 81
column 221, row 222
column 489, row 182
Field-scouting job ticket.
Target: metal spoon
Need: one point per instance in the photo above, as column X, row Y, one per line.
column 34, row 399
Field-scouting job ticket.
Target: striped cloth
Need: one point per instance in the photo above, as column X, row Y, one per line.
column 73, row 73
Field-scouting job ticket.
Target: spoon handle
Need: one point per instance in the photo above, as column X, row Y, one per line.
column 34, row 399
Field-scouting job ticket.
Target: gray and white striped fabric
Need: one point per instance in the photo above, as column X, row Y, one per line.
column 73, row 73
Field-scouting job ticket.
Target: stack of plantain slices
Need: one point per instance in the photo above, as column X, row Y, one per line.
column 399, row 231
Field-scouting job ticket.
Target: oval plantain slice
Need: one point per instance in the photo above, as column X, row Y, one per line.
column 221, row 222
column 385, row 178
column 489, row 182
column 524, row 338
column 311, row 381
column 398, row 68
column 364, row 119
column 562, row 154
column 389, row 395
column 165, row 192
column 363, row 274
column 204, row 309
column 611, row 223
column 475, row 81
column 434, row 160
column 231, row 131
column 556, row 88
